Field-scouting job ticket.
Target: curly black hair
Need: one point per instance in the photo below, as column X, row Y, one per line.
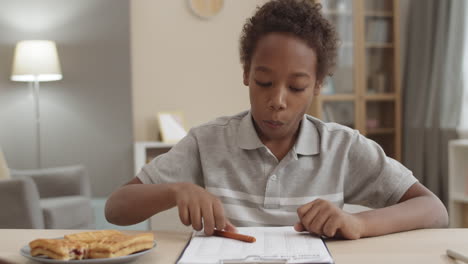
column 301, row 18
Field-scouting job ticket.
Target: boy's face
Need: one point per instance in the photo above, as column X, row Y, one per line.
column 282, row 82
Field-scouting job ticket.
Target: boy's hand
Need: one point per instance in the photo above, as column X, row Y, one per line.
column 321, row 217
column 195, row 204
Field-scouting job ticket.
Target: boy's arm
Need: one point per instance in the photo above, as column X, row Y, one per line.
column 418, row 208
column 135, row 202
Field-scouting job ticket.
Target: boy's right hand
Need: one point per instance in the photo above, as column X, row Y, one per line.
column 195, row 204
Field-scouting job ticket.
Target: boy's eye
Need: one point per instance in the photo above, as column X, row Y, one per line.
column 263, row 84
column 296, row 90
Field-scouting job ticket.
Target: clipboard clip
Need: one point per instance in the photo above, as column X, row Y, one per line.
column 255, row 259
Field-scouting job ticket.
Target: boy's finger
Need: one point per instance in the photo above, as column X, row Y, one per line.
column 302, row 210
column 307, row 219
column 218, row 212
column 299, row 227
column 230, row 227
column 208, row 219
column 195, row 218
column 184, row 215
column 318, row 223
column 330, row 227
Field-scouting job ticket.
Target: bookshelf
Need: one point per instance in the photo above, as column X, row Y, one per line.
column 458, row 183
column 365, row 92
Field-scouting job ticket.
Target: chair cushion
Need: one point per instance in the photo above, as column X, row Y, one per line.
column 67, row 212
column 58, row 181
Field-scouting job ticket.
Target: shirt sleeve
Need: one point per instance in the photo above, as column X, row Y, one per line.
column 374, row 180
column 180, row 164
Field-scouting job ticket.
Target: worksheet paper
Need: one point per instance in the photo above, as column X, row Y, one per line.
column 273, row 245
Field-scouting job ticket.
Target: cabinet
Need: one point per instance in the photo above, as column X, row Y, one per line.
column 364, row 93
column 458, row 183
column 145, row 151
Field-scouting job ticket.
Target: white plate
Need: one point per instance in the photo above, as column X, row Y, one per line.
column 26, row 252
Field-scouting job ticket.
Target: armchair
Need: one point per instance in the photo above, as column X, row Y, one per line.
column 54, row 198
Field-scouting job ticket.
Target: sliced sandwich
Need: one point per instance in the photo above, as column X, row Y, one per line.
column 92, row 236
column 120, row 245
column 61, row 249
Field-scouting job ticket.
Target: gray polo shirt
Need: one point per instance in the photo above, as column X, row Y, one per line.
column 328, row 161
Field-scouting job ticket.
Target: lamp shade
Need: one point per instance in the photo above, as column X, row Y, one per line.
column 36, row 60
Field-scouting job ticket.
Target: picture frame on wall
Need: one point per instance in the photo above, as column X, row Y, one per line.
column 171, row 126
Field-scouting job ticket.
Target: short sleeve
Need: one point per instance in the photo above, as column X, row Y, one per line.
column 374, row 180
column 180, row 164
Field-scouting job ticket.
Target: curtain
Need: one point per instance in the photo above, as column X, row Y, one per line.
column 463, row 126
column 432, row 88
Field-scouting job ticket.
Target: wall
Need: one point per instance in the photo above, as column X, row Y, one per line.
column 86, row 117
column 181, row 62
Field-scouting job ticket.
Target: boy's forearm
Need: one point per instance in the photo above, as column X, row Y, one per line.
column 134, row 203
column 415, row 213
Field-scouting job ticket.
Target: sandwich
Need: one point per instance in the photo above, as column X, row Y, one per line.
column 120, row 245
column 93, row 236
column 61, row 249
column 95, row 244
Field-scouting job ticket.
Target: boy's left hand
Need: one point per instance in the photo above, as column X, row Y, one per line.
column 321, row 217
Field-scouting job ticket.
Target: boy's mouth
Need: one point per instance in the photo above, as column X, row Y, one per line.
column 273, row 123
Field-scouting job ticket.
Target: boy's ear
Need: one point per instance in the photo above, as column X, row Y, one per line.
column 246, row 77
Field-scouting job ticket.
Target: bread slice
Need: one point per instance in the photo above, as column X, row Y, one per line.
column 120, row 245
column 92, row 236
column 59, row 249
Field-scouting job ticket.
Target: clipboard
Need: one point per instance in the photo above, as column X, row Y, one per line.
column 254, row 260
column 291, row 247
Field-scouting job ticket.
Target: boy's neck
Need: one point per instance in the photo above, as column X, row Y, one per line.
column 281, row 147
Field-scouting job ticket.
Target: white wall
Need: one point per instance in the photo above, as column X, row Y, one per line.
column 181, row 62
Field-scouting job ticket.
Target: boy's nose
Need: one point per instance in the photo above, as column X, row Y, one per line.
column 278, row 100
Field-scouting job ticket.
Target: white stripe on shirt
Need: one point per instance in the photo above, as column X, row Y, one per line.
column 260, row 216
column 335, row 197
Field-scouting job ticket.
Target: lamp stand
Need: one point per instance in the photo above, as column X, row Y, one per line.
column 38, row 122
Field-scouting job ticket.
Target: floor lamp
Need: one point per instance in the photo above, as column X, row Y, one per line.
column 36, row 61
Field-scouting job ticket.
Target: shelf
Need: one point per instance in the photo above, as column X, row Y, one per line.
column 338, row 97
column 144, row 149
column 380, row 97
column 380, row 131
column 378, row 14
column 334, row 12
column 154, row 144
column 376, row 45
column 460, row 197
column 459, row 143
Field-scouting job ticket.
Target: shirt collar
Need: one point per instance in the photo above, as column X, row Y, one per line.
column 307, row 143
column 247, row 137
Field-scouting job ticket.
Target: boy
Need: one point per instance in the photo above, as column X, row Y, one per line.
column 274, row 165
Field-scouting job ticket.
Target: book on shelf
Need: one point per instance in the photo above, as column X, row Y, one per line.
column 377, row 30
column 339, row 112
column 377, row 83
